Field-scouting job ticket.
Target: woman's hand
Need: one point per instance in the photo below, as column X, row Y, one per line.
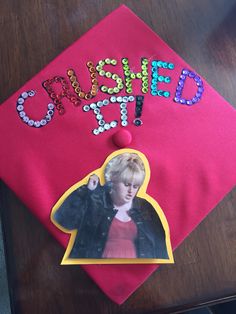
column 93, row 182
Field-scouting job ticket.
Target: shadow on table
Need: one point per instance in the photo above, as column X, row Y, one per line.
column 223, row 308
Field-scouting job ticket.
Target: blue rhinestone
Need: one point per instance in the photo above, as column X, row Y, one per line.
column 37, row 124
column 50, row 112
column 20, row 107
column 191, row 74
column 24, row 95
column 197, row 79
column 177, row 99
column 171, row 66
column 185, row 72
column 31, row 122
column 51, row 106
column 181, row 83
column 161, row 78
column 25, row 119
column 179, row 88
column 22, row 114
column 43, row 122
column 182, row 101
column 167, row 79
column 199, row 83
column 195, row 99
column 48, row 117
column 20, row 101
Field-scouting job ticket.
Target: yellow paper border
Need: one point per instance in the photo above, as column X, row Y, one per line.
column 141, row 193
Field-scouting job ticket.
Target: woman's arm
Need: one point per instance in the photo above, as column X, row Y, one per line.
column 70, row 214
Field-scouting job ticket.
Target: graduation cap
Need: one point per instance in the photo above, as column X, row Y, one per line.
column 64, row 123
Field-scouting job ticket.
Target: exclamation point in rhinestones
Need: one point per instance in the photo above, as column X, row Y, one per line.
column 138, row 110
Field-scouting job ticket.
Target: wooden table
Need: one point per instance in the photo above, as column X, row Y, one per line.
column 32, row 33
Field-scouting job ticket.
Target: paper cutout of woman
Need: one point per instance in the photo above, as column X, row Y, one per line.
column 113, row 222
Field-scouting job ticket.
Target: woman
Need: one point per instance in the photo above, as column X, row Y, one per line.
column 112, row 222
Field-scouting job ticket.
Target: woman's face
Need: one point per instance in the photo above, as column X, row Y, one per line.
column 124, row 192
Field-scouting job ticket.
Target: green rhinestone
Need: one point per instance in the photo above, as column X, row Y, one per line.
column 125, row 67
column 145, row 78
column 127, row 73
column 115, row 76
column 119, row 80
column 120, row 86
column 113, row 61
column 144, row 90
column 139, row 75
column 101, row 62
column 145, row 73
column 128, row 84
column 129, row 90
column 145, row 84
column 145, row 61
column 98, row 68
column 108, row 74
column 132, row 75
column 124, row 61
column 143, row 67
column 104, row 88
column 110, row 91
column 108, row 61
column 171, row 66
column 116, row 90
column 166, row 94
column 102, row 73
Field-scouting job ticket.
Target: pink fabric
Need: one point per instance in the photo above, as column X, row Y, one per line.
column 191, row 150
column 120, row 241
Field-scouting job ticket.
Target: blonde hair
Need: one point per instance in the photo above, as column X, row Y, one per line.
column 126, row 167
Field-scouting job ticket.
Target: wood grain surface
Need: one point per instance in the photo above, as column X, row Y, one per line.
column 32, row 34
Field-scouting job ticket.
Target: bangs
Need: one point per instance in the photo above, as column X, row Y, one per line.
column 129, row 175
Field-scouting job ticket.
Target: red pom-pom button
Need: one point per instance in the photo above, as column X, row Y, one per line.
column 122, row 138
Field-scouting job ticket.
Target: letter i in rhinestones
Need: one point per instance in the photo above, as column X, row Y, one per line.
column 102, row 124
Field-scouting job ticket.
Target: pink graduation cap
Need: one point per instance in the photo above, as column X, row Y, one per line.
column 63, row 124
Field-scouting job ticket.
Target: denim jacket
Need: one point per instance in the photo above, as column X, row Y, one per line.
column 91, row 214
